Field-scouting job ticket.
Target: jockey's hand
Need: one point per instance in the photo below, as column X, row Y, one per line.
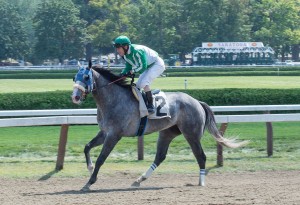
column 122, row 75
column 128, row 74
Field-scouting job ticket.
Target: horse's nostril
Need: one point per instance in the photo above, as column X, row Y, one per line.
column 77, row 98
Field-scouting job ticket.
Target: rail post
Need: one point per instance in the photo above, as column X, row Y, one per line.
column 220, row 147
column 62, row 147
column 269, row 137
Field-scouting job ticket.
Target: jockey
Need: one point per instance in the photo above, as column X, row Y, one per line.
column 143, row 60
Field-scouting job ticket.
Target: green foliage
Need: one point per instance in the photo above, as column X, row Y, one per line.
column 245, row 96
column 170, row 72
column 234, row 73
column 62, row 99
column 59, row 30
column 62, row 29
column 13, row 39
column 276, row 22
column 232, row 69
column 157, row 26
column 42, row 100
column 113, row 23
column 41, row 74
column 37, row 76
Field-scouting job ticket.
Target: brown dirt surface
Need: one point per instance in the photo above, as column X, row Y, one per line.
column 271, row 187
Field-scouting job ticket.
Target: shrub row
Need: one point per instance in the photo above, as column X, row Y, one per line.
column 62, row 99
column 235, row 73
column 233, row 69
column 168, row 74
column 173, row 72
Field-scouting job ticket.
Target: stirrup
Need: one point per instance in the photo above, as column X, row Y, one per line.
column 151, row 110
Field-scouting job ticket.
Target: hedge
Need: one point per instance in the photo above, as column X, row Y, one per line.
column 173, row 72
column 62, row 99
column 234, row 73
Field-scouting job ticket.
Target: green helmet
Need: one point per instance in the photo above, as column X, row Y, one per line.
column 121, row 41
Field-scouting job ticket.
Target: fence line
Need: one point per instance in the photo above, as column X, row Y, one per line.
column 67, row 117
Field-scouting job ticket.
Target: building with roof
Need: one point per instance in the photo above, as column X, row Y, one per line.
column 233, row 53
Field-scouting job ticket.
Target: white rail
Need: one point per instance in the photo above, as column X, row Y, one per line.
column 66, row 117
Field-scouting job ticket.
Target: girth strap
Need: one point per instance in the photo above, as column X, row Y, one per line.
column 142, row 127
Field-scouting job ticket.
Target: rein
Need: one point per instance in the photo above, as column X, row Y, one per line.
column 123, row 77
column 113, row 82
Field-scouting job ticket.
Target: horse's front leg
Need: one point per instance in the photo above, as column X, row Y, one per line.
column 108, row 146
column 96, row 141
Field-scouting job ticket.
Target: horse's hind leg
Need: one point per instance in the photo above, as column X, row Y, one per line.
column 194, row 142
column 96, row 141
column 163, row 142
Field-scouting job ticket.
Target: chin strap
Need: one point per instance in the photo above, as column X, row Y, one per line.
column 125, row 50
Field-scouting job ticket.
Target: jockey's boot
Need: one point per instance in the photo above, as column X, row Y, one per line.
column 150, row 106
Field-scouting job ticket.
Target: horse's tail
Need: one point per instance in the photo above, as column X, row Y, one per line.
column 211, row 126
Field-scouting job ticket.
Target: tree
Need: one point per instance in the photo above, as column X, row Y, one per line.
column 279, row 26
column 179, row 26
column 114, row 21
column 155, row 25
column 220, row 20
column 60, row 32
column 90, row 13
column 27, row 9
column 13, row 39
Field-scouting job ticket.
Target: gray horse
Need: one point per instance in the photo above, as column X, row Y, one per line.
column 118, row 115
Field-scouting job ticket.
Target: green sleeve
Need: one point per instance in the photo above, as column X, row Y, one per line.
column 127, row 68
column 142, row 60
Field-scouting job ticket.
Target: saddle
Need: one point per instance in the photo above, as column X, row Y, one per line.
column 160, row 102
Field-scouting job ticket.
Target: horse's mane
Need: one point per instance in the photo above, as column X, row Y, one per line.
column 111, row 77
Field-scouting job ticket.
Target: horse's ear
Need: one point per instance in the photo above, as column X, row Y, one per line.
column 90, row 64
column 79, row 64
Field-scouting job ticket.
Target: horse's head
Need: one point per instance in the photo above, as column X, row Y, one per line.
column 83, row 83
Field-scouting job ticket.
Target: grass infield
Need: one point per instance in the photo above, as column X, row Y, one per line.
column 270, row 82
column 31, row 151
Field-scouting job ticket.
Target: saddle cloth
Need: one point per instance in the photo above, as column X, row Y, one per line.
column 160, row 103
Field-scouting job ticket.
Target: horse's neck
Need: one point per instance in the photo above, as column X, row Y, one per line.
column 109, row 97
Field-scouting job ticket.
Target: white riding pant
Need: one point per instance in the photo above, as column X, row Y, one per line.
column 148, row 76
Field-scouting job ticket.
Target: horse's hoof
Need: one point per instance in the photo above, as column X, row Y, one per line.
column 86, row 188
column 136, row 184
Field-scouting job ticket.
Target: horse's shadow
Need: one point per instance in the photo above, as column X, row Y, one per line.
column 110, row 190
column 51, row 173
column 77, row 192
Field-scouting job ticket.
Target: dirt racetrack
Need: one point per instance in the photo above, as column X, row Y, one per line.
column 229, row 188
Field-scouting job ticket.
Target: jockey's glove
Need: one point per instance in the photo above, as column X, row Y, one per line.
column 126, row 74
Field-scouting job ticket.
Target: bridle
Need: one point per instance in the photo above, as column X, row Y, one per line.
column 88, row 85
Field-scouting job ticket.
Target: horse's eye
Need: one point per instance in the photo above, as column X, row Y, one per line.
column 86, row 77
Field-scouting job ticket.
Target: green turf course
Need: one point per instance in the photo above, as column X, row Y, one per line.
column 31, row 151
column 272, row 82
